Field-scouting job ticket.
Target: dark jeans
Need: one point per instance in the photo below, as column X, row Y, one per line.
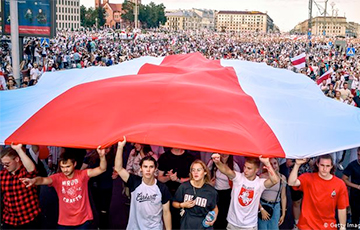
column 35, row 224
column 355, row 211
column 85, row 225
column 223, row 206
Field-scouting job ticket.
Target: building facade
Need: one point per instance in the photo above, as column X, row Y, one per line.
column 243, row 21
column 68, row 14
column 113, row 13
column 331, row 26
column 194, row 19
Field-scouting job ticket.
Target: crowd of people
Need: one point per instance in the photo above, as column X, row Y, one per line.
column 171, row 188
column 81, row 49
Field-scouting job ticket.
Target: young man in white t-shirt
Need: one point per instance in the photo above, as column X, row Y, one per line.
column 150, row 199
column 246, row 192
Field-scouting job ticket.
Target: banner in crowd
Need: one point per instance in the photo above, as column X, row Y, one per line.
column 182, row 101
column 35, row 17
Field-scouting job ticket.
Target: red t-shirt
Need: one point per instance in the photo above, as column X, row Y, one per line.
column 74, row 205
column 321, row 199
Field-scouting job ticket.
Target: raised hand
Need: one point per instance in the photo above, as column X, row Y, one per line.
column 301, row 161
column 121, row 144
column 216, row 158
column 16, row 147
column 264, row 160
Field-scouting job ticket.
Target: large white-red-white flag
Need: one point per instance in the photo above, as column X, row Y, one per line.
column 325, row 76
column 181, row 101
column 299, row 61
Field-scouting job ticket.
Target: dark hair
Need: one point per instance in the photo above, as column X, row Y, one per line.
column 65, row 156
column 148, row 158
column 326, row 157
column 9, row 152
column 253, row 160
column 145, row 148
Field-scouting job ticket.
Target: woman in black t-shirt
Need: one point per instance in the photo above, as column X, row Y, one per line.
column 196, row 198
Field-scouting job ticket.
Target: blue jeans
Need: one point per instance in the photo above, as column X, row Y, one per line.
column 273, row 223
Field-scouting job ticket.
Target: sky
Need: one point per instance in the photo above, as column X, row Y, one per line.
column 286, row 14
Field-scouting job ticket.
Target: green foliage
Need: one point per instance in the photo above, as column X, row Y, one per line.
column 128, row 11
column 150, row 16
column 88, row 16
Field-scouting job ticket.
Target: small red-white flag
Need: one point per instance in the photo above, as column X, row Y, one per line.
column 325, row 76
column 299, row 61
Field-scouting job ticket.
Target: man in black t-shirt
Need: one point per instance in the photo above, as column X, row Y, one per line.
column 353, row 171
column 174, row 168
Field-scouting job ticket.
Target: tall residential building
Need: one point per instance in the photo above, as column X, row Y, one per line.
column 194, row 19
column 243, row 21
column 68, row 14
column 333, row 26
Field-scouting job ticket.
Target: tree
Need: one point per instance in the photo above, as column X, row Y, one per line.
column 150, row 16
column 82, row 15
column 88, row 16
column 100, row 15
column 128, row 11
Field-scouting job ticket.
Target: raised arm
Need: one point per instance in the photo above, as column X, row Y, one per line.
column 119, row 161
column 223, row 167
column 293, row 177
column 36, row 181
column 102, row 167
column 27, row 162
column 167, row 215
column 273, row 176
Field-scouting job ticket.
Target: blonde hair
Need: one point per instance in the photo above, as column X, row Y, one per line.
column 207, row 176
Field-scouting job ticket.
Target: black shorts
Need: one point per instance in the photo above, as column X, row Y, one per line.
column 295, row 194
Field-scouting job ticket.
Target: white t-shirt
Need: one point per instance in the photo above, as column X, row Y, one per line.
column 245, row 199
column 146, row 207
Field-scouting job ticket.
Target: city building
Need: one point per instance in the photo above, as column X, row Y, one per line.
column 194, row 19
column 332, row 26
column 68, row 14
column 353, row 29
column 243, row 21
column 113, row 13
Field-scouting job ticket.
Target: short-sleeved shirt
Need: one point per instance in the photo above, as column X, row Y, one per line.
column 21, row 204
column 205, row 201
column 146, row 207
column 321, row 198
column 245, row 199
column 353, row 171
column 180, row 164
column 74, row 204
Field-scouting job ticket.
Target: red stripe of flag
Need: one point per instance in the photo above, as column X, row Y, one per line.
column 299, row 61
column 173, row 104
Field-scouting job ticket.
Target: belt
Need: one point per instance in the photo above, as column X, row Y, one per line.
column 269, row 202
